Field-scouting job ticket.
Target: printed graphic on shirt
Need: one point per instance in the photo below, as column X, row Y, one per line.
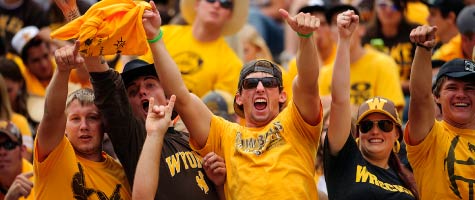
column 200, row 179
column 181, row 161
column 460, row 163
column 364, row 176
column 258, row 145
column 81, row 192
column 360, row 92
column 189, row 63
column 402, row 54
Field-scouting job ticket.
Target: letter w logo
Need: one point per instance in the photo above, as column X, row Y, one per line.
column 376, row 103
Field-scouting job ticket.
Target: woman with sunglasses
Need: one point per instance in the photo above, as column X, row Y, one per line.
column 367, row 168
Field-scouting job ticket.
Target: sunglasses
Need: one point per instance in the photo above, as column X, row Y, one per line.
column 267, row 82
column 9, row 145
column 385, row 5
column 226, row 4
column 384, row 125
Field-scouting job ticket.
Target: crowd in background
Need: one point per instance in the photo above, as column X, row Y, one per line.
column 210, row 61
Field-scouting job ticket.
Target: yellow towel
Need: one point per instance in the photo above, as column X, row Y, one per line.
column 109, row 27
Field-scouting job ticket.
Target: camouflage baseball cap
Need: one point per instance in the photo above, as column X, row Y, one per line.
column 379, row 105
column 256, row 66
column 9, row 129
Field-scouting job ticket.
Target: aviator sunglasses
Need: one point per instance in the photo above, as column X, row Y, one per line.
column 267, row 82
column 384, row 125
column 226, row 4
column 8, row 145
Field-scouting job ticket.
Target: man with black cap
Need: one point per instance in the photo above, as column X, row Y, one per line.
column 441, row 152
column 273, row 155
column 16, row 180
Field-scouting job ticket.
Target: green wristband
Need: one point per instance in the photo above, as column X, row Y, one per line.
column 159, row 36
column 304, row 35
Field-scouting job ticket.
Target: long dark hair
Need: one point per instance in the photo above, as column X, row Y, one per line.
column 10, row 70
column 404, row 174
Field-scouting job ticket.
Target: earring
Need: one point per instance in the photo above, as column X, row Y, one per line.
column 397, row 147
column 357, row 140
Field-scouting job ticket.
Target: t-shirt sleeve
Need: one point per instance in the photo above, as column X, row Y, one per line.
column 418, row 154
column 213, row 144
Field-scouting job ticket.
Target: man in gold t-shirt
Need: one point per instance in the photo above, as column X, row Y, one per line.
column 441, row 153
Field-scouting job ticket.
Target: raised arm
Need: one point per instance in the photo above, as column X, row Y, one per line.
column 52, row 126
column 305, row 85
column 340, row 112
column 188, row 106
column 147, row 173
column 421, row 105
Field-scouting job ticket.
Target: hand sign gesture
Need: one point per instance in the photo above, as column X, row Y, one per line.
column 68, row 57
column 159, row 117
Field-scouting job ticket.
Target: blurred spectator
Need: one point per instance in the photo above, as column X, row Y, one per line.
column 373, row 73
column 194, row 47
column 6, row 113
column 16, row 14
column 417, row 11
column 460, row 46
column 16, row 180
column 443, row 14
column 221, row 104
column 264, row 16
column 253, row 44
column 37, row 70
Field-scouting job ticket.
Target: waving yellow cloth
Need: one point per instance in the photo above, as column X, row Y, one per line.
column 109, row 27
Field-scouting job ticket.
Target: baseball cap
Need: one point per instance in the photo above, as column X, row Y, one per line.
column 446, row 6
column 466, row 20
column 136, row 68
column 23, row 36
column 380, row 105
column 220, row 103
column 457, row 68
column 313, row 6
column 9, row 129
column 256, row 66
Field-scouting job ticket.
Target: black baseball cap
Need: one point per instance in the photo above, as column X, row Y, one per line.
column 136, row 68
column 256, row 66
column 446, row 6
column 457, row 68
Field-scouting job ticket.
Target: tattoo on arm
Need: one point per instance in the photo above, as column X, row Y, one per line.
column 71, row 15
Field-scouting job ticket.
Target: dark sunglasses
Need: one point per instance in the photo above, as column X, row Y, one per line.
column 384, row 125
column 227, row 4
column 267, row 82
column 9, row 145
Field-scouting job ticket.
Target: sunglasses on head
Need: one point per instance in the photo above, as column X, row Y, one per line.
column 9, row 145
column 267, row 82
column 227, row 4
column 384, row 125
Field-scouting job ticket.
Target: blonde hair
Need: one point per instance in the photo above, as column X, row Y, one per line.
column 249, row 34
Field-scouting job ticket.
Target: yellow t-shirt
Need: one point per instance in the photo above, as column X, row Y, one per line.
column 204, row 66
column 374, row 74
column 450, row 50
column 64, row 175
column 443, row 162
column 275, row 161
column 292, row 72
column 22, row 123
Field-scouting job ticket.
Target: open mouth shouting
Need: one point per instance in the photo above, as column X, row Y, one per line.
column 260, row 104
